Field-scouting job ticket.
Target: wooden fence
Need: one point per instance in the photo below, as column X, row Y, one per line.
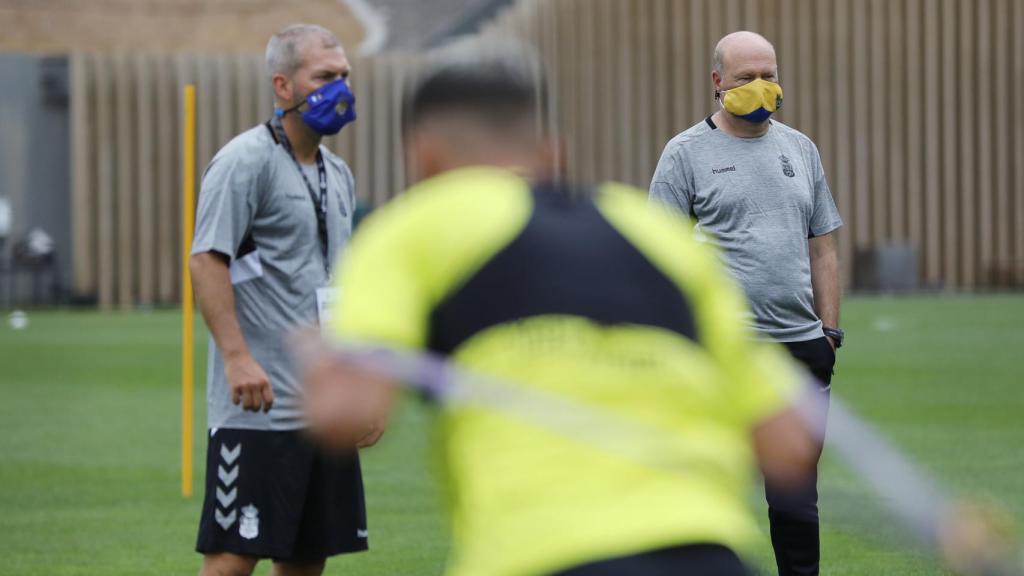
column 917, row 108
column 126, row 157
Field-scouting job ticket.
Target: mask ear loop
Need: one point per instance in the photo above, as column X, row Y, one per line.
column 280, row 112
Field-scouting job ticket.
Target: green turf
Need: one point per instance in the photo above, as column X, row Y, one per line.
column 89, row 432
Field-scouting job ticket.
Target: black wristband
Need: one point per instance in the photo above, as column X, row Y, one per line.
column 835, row 334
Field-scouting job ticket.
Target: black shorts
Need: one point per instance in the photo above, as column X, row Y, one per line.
column 817, row 356
column 275, row 495
column 695, row 559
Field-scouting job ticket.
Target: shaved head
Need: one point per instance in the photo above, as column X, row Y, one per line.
column 740, row 47
column 741, row 58
column 478, row 101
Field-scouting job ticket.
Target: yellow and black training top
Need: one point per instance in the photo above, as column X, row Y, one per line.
column 603, row 301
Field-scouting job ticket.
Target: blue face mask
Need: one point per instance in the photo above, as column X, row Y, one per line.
column 331, row 106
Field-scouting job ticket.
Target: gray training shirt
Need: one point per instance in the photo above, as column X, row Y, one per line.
column 255, row 208
column 759, row 199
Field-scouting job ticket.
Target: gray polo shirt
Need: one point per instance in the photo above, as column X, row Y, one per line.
column 759, row 200
column 255, row 208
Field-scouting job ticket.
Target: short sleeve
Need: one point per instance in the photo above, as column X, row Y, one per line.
column 228, row 198
column 824, row 217
column 668, row 187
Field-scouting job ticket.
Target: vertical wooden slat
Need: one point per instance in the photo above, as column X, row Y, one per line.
column 842, row 180
column 264, row 91
column 914, row 143
column 1018, row 183
column 246, row 92
column 714, row 12
column 381, row 127
column 549, row 16
column 933, row 176
column 587, row 114
column 824, row 104
column 105, row 219
column 949, row 138
column 225, row 101
column 567, row 82
column 786, row 51
column 206, row 111
column 644, row 135
column 896, row 186
column 769, row 23
column 604, row 88
column 701, row 51
column 362, row 164
column 683, row 73
column 862, row 120
column 805, row 56
column 752, row 15
column 967, row 139
column 662, row 128
column 166, row 179
column 733, row 19
column 625, row 95
column 398, row 75
column 144, row 179
column 879, row 119
column 83, row 190
column 570, row 109
column 345, row 144
column 983, row 106
column 126, row 159
column 1001, row 76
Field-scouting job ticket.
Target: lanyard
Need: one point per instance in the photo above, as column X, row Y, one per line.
column 319, row 204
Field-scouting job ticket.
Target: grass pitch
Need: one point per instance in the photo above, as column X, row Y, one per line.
column 89, row 440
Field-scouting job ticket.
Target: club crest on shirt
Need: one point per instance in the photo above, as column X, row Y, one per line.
column 249, row 527
column 787, row 167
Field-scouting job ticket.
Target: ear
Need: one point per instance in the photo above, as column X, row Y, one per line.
column 716, row 81
column 283, row 89
column 424, row 155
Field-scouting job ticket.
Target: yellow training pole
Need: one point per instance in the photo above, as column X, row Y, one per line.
column 188, row 223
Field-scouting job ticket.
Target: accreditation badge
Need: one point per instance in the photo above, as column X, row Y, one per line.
column 326, row 300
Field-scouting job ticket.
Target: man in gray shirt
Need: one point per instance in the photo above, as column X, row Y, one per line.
column 757, row 189
column 275, row 212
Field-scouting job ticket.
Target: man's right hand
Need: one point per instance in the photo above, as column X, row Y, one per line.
column 249, row 384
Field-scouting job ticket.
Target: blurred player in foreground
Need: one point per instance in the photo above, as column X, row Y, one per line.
column 584, row 295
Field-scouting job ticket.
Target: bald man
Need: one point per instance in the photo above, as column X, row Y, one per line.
column 756, row 188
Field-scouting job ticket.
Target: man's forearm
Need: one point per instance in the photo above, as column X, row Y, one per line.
column 825, row 279
column 211, row 280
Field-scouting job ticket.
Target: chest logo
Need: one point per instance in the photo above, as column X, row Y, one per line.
column 723, row 169
column 249, row 528
column 787, row 166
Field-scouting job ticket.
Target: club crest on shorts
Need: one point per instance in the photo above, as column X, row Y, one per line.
column 787, row 167
column 249, row 527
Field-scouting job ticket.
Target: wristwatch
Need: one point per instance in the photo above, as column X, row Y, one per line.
column 835, row 334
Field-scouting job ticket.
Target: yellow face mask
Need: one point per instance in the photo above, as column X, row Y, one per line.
column 754, row 101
